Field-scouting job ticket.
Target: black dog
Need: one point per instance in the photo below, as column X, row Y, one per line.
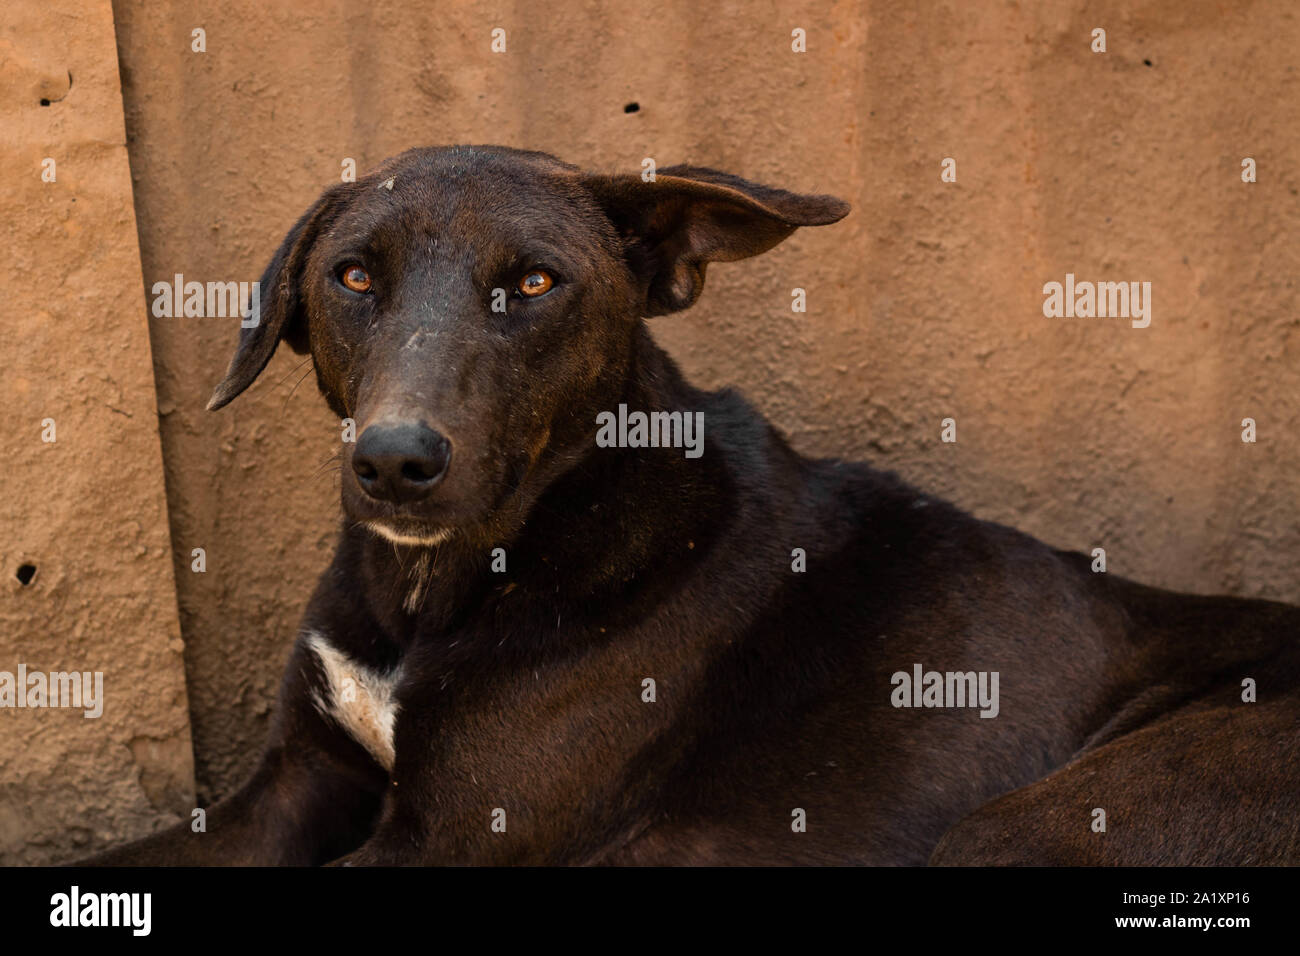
column 535, row 648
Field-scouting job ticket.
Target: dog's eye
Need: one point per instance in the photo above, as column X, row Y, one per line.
column 535, row 283
column 355, row 278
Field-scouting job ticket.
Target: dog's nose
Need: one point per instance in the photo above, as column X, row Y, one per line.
column 400, row 463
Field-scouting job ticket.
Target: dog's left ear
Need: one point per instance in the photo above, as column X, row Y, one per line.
column 280, row 312
column 689, row 216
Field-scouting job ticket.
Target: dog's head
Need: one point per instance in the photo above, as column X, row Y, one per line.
column 473, row 309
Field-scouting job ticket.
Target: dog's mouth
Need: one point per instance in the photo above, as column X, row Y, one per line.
column 407, row 531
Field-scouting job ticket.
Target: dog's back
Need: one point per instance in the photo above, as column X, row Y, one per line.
column 1135, row 700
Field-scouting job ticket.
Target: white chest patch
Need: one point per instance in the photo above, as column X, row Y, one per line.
column 358, row 699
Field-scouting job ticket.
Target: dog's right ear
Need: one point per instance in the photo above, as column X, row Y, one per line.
column 280, row 312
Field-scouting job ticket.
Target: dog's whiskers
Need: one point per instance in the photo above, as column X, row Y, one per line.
column 296, row 384
column 293, row 371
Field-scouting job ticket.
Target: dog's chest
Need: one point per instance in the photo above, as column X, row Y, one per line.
column 360, row 700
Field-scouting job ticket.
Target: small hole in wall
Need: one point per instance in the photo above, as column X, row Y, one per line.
column 25, row 574
column 44, row 101
column 632, row 107
column 1147, row 62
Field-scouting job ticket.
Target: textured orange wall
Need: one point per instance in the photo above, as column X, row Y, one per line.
column 87, row 511
column 925, row 303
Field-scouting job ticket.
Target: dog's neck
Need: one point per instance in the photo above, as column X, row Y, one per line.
column 586, row 536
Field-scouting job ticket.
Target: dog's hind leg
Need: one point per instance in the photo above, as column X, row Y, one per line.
column 1211, row 785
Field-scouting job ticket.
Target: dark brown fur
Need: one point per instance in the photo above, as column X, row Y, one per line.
column 522, row 690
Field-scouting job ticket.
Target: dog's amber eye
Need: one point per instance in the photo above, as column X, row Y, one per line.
column 356, row 278
column 536, row 283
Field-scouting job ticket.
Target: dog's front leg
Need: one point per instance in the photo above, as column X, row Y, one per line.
column 289, row 813
column 315, row 795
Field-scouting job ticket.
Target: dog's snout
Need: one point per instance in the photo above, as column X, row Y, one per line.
column 400, row 463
